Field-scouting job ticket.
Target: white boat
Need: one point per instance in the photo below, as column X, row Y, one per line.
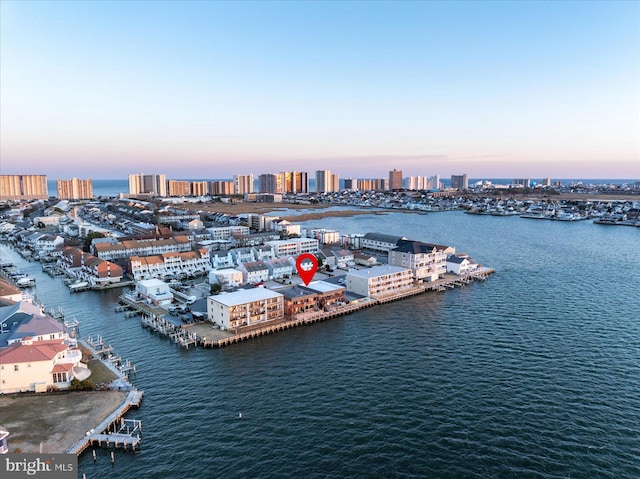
column 78, row 285
column 25, row 282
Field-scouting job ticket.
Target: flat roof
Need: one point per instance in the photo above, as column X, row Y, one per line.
column 374, row 271
column 243, row 296
column 324, row 287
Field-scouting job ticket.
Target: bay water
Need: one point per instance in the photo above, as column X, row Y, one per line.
column 533, row 373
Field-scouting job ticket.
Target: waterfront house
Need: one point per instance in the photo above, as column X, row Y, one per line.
column 245, row 307
column 461, row 264
column 254, row 272
column 169, row 264
column 128, row 248
column 379, row 281
column 426, row 261
column 31, row 365
column 90, row 268
column 154, row 291
column 26, row 320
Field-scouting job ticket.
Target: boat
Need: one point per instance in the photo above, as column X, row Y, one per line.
column 534, row 216
column 78, row 286
column 25, row 282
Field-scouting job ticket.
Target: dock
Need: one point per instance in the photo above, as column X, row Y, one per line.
column 115, row 431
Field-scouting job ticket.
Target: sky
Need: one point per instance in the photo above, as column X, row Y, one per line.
column 101, row 89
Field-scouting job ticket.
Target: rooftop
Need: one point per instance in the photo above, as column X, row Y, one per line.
column 243, row 296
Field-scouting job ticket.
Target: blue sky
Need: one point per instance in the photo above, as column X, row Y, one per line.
column 209, row 89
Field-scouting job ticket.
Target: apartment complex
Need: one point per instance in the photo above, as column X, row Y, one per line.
column 294, row 246
column 427, row 262
column 327, row 182
column 243, row 184
column 125, row 249
column 75, row 189
column 168, row 264
column 179, row 188
column 23, row 187
column 245, row 307
column 378, row 281
column 152, row 185
column 460, row 182
column 395, row 179
column 222, row 188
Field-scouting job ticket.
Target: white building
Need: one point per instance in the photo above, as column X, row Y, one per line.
column 245, row 307
column 461, row 264
column 36, row 366
column 294, row 246
column 285, row 227
column 254, row 272
column 156, row 292
column 222, row 260
column 279, row 268
column 226, row 232
column 378, row 280
column 226, row 277
column 427, row 262
column 325, row 236
column 167, row 264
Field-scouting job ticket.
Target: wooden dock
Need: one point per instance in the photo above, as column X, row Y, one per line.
column 126, row 433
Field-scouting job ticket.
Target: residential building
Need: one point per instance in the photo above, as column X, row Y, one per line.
column 460, row 182
column 294, row 182
column 279, row 268
column 327, row 182
column 417, row 183
column 395, row 179
column 245, row 307
column 270, row 183
column 243, row 184
column 154, row 291
column 226, row 232
column 350, row 184
column 243, row 255
column 22, row 320
column 299, row 300
column 88, row 267
column 36, row 366
column 294, row 246
column 380, row 242
column 263, row 253
column 75, row 189
column 8, row 292
column 23, row 187
column 329, row 294
column 461, row 264
column 168, row 264
column 199, row 188
column 179, row 188
column 379, row 184
column 324, row 236
column 151, row 185
column 254, row 272
column 285, row 227
column 226, row 277
column 426, row 261
column 222, row 188
column 125, row 249
column 378, row 281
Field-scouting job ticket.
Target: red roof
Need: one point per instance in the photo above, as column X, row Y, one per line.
column 38, row 351
column 62, row 367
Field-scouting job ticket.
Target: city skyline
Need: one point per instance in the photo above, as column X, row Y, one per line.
column 213, row 89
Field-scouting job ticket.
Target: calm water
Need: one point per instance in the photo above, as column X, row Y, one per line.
column 534, row 373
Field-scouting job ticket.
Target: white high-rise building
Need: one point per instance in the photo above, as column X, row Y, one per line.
column 243, row 184
column 141, row 184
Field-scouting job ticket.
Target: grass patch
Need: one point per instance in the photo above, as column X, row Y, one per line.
column 99, row 372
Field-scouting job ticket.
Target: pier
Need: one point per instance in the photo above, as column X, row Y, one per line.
column 115, row 431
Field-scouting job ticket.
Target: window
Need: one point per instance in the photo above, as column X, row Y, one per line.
column 15, row 367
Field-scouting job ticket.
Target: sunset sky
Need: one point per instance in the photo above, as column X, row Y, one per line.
column 101, row 89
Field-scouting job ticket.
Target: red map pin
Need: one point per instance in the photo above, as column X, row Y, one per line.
column 307, row 265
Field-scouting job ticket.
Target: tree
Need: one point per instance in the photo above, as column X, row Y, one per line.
column 90, row 237
column 215, row 288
